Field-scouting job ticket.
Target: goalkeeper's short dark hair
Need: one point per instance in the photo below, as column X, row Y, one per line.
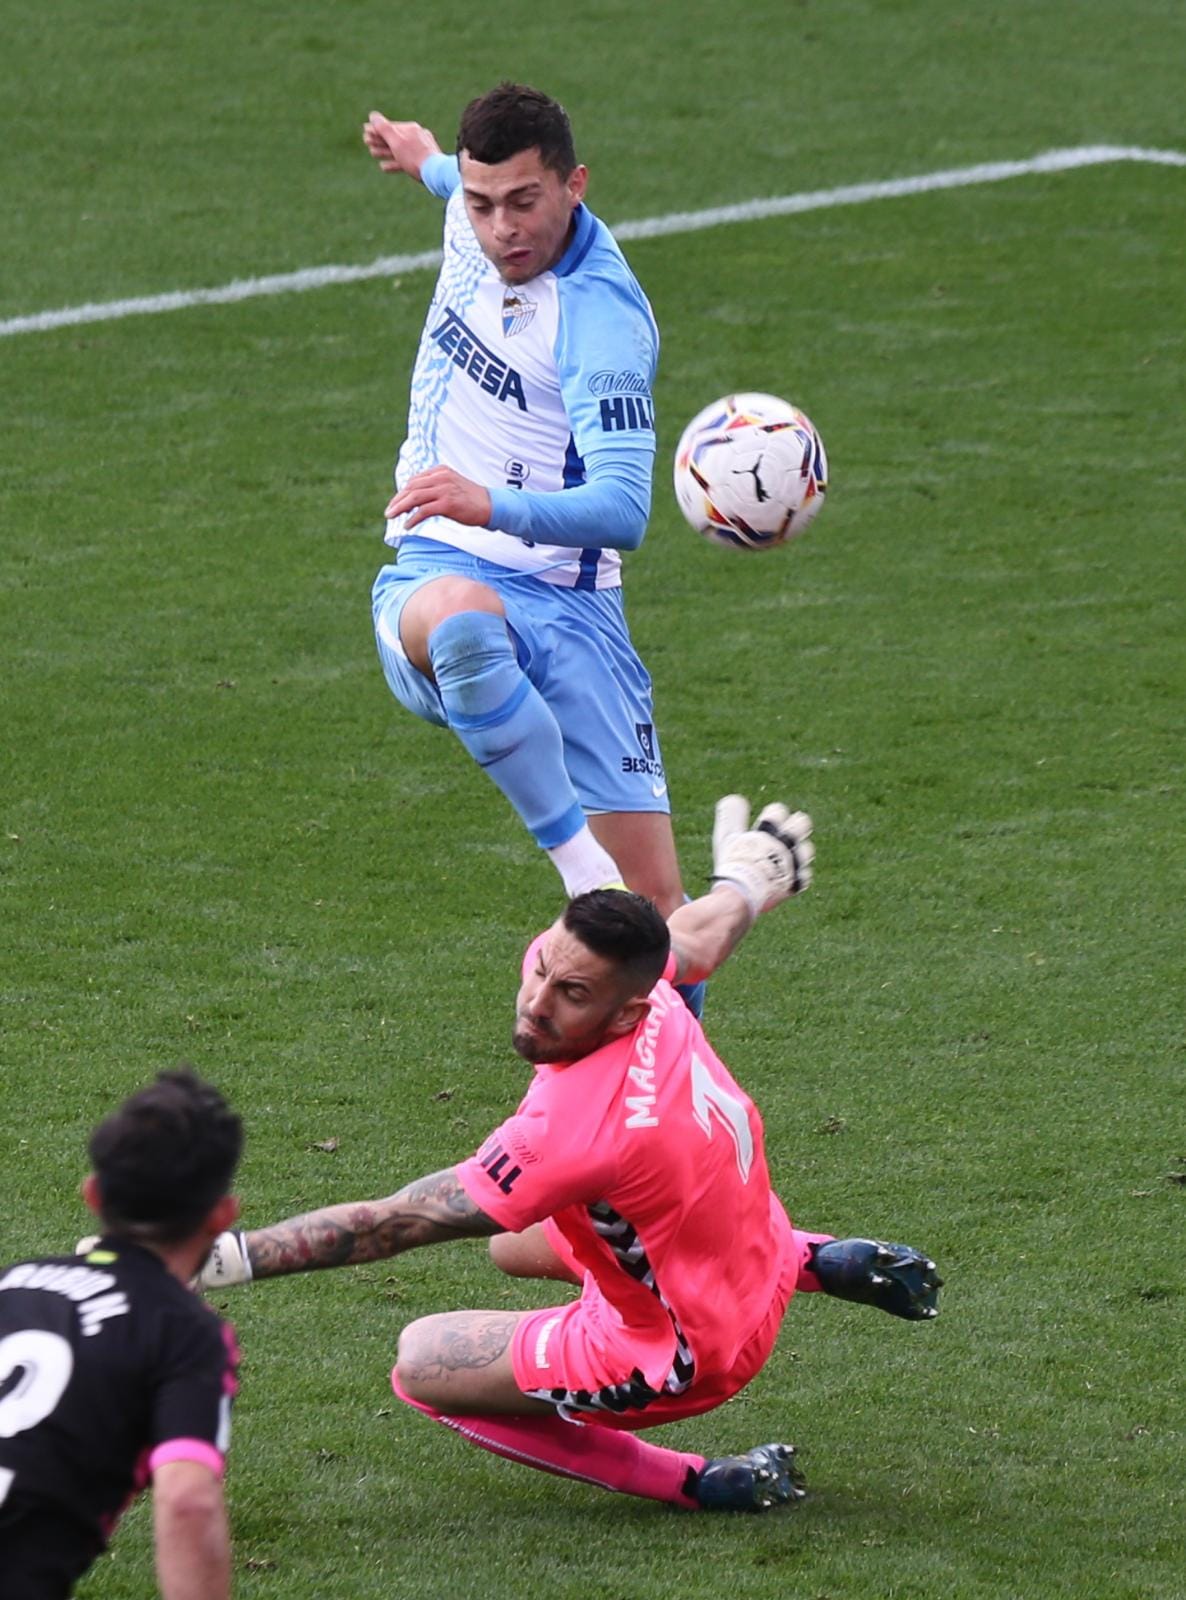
column 165, row 1157
column 512, row 118
column 624, row 928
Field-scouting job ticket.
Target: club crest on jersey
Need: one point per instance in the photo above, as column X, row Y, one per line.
column 647, row 763
column 517, row 312
column 480, row 364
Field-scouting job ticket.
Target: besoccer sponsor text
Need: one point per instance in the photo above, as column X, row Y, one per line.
column 647, row 762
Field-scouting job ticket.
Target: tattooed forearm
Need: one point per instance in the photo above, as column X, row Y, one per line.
column 427, row 1211
column 441, row 1197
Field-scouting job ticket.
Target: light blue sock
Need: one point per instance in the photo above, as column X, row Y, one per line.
column 504, row 722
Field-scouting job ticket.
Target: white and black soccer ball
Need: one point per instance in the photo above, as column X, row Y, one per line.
column 750, row 471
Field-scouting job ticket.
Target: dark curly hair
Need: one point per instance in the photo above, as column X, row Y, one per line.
column 511, row 118
column 623, row 928
column 165, row 1157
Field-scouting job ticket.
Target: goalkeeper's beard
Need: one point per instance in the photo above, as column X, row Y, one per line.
column 538, row 1041
column 533, row 1042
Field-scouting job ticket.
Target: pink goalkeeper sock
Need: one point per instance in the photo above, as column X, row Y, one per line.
column 808, row 1282
column 608, row 1457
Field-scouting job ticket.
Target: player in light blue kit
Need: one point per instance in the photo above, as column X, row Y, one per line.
column 525, row 472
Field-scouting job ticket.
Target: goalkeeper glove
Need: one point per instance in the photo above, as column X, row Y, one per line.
column 767, row 863
column 228, row 1262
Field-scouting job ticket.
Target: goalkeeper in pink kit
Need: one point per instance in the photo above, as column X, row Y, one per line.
column 634, row 1166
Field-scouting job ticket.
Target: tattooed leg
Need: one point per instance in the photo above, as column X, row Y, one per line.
column 461, row 1361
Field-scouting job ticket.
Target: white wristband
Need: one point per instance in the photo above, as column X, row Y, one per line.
column 745, row 890
column 228, row 1262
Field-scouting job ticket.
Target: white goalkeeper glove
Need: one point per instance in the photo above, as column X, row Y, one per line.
column 766, row 863
column 228, row 1262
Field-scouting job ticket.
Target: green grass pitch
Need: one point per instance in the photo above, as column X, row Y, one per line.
column 220, row 840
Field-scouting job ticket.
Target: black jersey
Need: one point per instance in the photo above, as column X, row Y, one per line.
column 109, row 1367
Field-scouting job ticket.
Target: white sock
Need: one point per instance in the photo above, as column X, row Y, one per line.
column 583, row 864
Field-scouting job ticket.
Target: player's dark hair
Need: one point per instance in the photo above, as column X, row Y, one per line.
column 165, row 1157
column 623, row 928
column 511, row 118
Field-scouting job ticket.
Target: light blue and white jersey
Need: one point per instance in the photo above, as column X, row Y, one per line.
column 534, row 389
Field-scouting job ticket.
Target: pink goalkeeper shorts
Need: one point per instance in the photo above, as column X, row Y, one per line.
column 565, row 1354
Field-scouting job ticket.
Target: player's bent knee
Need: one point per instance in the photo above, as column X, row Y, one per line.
column 506, row 1252
column 416, row 1350
column 433, row 604
column 529, row 1255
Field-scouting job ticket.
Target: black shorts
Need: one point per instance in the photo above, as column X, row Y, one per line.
column 42, row 1552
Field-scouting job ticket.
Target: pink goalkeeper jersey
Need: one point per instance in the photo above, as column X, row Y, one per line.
column 650, row 1160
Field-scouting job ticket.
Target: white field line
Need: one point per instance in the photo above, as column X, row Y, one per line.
column 1092, row 155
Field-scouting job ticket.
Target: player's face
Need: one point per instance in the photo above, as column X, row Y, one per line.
column 521, row 211
column 571, row 1001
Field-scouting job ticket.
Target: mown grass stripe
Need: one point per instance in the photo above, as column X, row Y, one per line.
column 676, row 222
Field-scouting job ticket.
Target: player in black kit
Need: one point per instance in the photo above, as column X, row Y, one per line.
column 112, row 1372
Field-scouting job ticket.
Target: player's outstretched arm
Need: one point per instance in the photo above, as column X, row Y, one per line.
column 398, row 146
column 428, row 1211
column 893, row 1277
column 753, row 870
column 193, row 1547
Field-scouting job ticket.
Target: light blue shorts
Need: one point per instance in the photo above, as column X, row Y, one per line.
column 575, row 648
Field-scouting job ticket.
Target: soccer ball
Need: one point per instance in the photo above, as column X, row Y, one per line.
column 750, row 471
